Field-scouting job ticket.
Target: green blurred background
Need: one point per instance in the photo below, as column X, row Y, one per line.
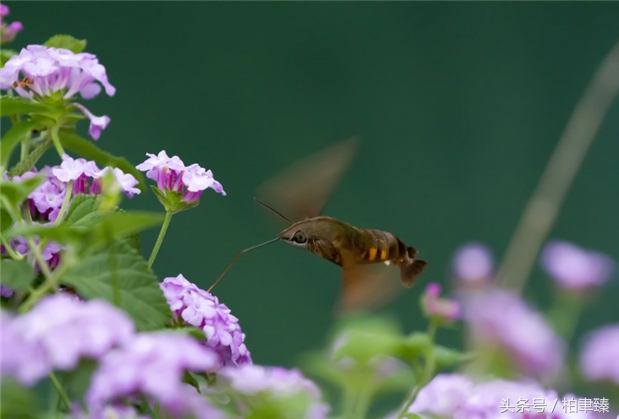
column 458, row 107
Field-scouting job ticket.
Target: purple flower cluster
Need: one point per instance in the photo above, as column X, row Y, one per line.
column 50, row 253
column 473, row 264
column 56, row 334
column 599, row 359
column 499, row 318
column 440, row 308
column 153, row 364
column 39, row 72
column 454, row 396
column 200, row 309
column 172, row 176
column 275, row 384
column 46, row 200
column 574, row 268
column 110, row 412
column 8, row 32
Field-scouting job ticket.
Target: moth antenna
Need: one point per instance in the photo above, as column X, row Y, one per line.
column 236, row 257
column 274, row 211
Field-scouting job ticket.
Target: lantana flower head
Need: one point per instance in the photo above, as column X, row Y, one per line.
column 47, row 199
column 153, row 364
column 179, row 187
column 50, row 253
column 57, row 333
column 473, row 264
column 599, row 358
column 500, row 319
column 203, row 310
column 574, row 268
column 455, row 396
column 442, row 309
column 39, row 72
column 275, row 385
column 8, row 32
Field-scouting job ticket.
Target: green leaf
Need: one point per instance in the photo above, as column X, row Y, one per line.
column 12, row 138
column 5, row 55
column 415, row 345
column 412, row 416
column 365, row 338
column 82, row 207
column 447, row 357
column 16, row 274
column 138, row 288
column 18, row 402
column 18, row 105
column 66, row 42
column 5, row 219
column 120, row 224
column 17, row 192
column 189, row 378
column 31, row 159
column 90, row 151
column 77, row 381
column 60, row 233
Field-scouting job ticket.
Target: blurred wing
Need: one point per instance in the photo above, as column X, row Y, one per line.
column 301, row 190
column 368, row 286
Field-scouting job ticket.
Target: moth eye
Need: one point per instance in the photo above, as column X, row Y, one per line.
column 299, row 237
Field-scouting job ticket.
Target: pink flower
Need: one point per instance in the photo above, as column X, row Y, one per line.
column 38, row 72
column 181, row 186
column 153, row 364
column 440, row 308
column 473, row 264
column 574, row 268
column 8, row 32
column 500, row 318
column 599, row 359
column 57, row 333
column 200, row 309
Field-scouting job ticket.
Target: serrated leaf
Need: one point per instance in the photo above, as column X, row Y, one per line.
column 90, row 151
column 138, row 288
column 84, row 215
column 81, row 207
column 18, row 105
column 31, row 159
column 16, row 274
column 121, row 224
column 13, row 137
column 66, row 42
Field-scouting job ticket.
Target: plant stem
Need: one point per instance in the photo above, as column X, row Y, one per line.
column 162, row 232
column 49, row 282
column 563, row 165
column 65, row 202
column 56, row 140
column 61, row 392
column 565, row 312
column 428, row 372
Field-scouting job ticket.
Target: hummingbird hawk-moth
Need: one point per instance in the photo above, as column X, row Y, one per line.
column 363, row 254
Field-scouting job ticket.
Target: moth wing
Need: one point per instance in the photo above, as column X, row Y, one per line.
column 368, row 286
column 301, row 190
